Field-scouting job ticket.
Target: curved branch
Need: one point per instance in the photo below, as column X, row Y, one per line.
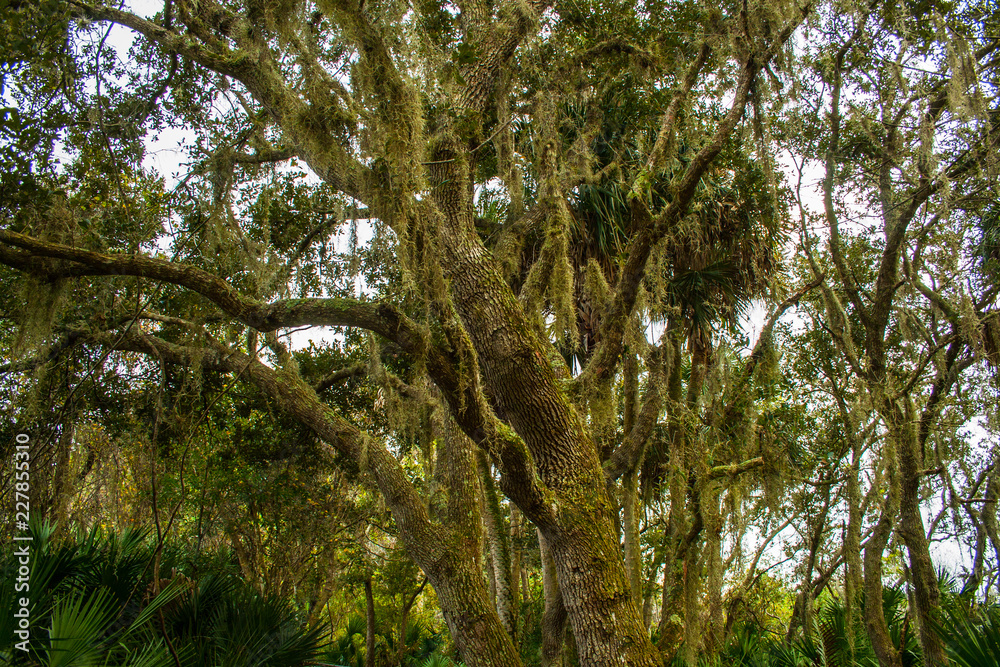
column 382, row 319
column 253, row 65
column 339, row 375
column 295, row 397
column 464, row 397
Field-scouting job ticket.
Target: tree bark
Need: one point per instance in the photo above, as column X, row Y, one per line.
column 554, row 616
column 369, row 623
column 878, row 631
column 498, row 537
column 925, row 585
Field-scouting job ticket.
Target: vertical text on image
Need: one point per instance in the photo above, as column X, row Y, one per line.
column 22, row 514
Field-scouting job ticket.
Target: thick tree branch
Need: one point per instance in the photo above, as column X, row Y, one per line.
column 290, row 393
column 496, row 46
column 735, row 469
column 253, row 65
column 464, row 397
column 382, row 319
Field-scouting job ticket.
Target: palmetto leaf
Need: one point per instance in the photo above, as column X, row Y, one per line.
column 115, row 561
column 251, row 629
column 152, row 655
column 76, row 633
column 972, row 639
column 171, row 592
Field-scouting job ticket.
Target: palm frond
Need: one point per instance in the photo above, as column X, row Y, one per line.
column 78, row 625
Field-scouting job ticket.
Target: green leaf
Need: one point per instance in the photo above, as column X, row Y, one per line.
column 77, row 629
column 465, row 54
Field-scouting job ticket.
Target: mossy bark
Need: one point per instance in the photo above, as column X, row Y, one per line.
column 554, row 616
column 498, row 539
column 875, row 624
column 577, row 519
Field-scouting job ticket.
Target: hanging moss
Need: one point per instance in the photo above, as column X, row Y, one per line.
column 42, row 301
column 551, row 282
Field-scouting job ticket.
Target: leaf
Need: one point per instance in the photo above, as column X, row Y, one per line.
column 77, row 629
column 465, row 54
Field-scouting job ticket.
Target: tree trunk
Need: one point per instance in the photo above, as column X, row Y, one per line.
column 715, row 627
column 630, row 531
column 693, row 595
column 596, row 595
column 459, row 582
column 701, row 355
column 682, row 577
column 554, row 617
column 671, row 625
column 926, row 594
column 852, row 545
column 575, row 514
column 878, row 631
column 369, row 624
column 498, row 537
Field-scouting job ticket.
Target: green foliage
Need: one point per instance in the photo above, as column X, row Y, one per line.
column 973, row 639
column 423, row 645
column 311, row 108
column 94, row 602
column 752, row 644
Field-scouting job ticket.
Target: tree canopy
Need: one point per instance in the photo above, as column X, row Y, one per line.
column 523, row 240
